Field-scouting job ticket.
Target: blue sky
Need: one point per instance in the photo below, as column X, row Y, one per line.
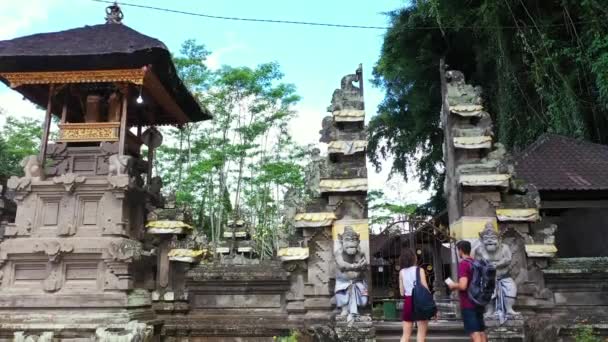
column 313, row 58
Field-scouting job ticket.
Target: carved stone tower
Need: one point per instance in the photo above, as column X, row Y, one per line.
column 338, row 190
column 73, row 262
column 483, row 191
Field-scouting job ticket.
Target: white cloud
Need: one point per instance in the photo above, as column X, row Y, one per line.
column 13, row 104
column 16, row 17
column 214, row 60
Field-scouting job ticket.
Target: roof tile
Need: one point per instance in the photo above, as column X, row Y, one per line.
column 556, row 162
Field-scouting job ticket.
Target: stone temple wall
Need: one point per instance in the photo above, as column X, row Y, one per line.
column 69, row 259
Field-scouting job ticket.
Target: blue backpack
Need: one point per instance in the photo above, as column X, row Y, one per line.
column 482, row 283
column 422, row 300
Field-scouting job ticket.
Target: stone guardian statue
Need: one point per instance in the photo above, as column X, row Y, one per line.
column 351, row 286
column 493, row 250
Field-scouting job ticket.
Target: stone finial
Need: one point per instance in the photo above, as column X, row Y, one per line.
column 348, row 96
column 114, row 14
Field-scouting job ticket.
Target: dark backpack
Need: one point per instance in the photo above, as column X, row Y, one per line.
column 483, row 282
column 422, row 300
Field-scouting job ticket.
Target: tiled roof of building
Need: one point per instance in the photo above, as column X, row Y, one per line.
column 557, row 162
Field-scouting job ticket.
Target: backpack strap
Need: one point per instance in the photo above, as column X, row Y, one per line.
column 417, row 275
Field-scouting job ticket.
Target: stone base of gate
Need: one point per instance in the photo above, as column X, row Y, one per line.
column 513, row 330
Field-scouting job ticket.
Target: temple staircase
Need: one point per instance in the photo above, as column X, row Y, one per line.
column 440, row 330
column 447, row 328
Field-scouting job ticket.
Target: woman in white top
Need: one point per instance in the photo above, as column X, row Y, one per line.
column 407, row 278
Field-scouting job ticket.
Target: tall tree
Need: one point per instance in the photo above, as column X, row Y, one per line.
column 19, row 137
column 242, row 162
column 542, row 66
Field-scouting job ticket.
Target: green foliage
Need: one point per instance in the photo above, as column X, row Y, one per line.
column 19, row 137
column 242, row 162
column 585, row 333
column 294, row 336
column 542, row 65
column 385, row 211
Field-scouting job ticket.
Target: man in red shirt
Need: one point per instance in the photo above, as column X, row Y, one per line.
column 472, row 315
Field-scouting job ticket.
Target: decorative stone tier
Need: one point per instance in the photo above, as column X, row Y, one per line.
column 186, row 255
column 467, row 110
column 517, row 215
column 347, row 147
column 541, row 250
column 469, row 227
column 134, row 324
column 323, row 219
column 349, row 115
column 343, row 185
column 482, row 180
column 239, row 234
column 477, row 168
column 479, row 142
column 293, row 253
column 168, row 227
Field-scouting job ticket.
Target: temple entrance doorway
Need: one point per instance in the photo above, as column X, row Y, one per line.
column 432, row 246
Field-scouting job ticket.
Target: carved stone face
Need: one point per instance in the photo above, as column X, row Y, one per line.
column 351, row 247
column 350, row 241
column 490, row 242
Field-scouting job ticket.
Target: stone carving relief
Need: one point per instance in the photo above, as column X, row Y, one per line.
column 20, row 336
column 351, row 208
column 459, row 92
column 348, row 96
column 19, row 184
column 70, row 181
column 196, row 240
column 118, row 182
column 117, row 276
column 118, row 165
column 125, row 250
column 314, row 171
column 328, row 130
column 499, row 254
column 320, row 260
column 126, row 166
column 32, row 168
column 109, row 209
column 133, row 332
column 58, row 160
column 351, row 266
column 54, row 250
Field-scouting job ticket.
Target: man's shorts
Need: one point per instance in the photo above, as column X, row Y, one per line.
column 473, row 320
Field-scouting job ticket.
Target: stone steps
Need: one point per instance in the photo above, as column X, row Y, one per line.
column 441, row 330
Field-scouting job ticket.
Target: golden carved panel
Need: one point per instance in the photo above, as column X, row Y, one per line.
column 16, row 79
column 102, row 131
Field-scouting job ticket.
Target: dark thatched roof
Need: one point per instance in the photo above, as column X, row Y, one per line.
column 559, row 163
column 105, row 46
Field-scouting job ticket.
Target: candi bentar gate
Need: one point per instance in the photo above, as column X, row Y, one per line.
column 92, row 249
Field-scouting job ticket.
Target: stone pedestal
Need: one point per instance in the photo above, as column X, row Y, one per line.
column 512, row 330
column 358, row 331
column 69, row 260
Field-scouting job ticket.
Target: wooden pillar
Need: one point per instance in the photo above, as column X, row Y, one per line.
column 123, row 122
column 46, row 128
column 150, row 164
column 64, row 110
